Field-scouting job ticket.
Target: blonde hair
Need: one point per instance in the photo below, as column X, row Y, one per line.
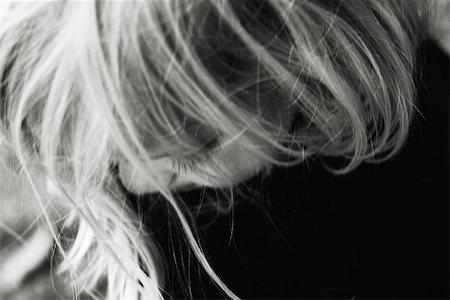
column 89, row 83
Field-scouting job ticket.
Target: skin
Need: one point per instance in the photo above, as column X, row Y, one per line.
column 441, row 29
column 240, row 166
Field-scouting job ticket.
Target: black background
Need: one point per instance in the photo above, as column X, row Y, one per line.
column 381, row 231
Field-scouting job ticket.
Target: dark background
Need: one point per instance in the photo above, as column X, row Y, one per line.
column 379, row 232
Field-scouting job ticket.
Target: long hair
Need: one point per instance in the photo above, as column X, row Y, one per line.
column 85, row 85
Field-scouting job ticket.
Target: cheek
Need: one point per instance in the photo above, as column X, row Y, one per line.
column 138, row 184
column 238, row 166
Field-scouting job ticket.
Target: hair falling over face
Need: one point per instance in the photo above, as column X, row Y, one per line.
column 87, row 85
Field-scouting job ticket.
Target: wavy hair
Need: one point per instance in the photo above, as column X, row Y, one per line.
column 86, row 84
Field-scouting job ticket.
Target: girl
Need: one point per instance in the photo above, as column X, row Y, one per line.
column 100, row 100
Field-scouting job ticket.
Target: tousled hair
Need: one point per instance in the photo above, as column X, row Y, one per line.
column 87, row 84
